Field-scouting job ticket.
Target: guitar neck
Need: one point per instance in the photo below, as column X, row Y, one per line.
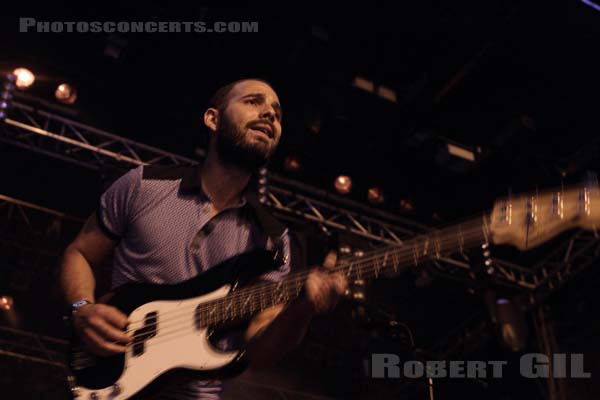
column 392, row 259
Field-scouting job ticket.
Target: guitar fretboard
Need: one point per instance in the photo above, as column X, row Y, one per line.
column 389, row 260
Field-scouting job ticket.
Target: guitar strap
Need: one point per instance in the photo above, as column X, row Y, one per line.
column 275, row 230
column 270, row 225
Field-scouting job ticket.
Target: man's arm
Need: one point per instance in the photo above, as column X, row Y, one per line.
column 279, row 329
column 89, row 249
column 99, row 325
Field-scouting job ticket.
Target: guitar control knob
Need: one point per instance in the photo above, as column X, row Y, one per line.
column 93, row 396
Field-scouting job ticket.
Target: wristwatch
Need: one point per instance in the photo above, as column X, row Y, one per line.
column 75, row 306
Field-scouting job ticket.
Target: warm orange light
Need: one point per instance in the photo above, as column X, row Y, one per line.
column 66, row 93
column 25, row 78
column 343, row 184
column 406, row 205
column 6, row 302
column 345, row 249
column 291, row 163
column 375, row 195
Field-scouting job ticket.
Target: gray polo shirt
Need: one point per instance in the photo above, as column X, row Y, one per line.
column 161, row 218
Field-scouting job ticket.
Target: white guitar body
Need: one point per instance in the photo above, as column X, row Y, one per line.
column 189, row 348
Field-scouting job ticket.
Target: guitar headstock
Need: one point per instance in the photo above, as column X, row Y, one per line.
column 527, row 221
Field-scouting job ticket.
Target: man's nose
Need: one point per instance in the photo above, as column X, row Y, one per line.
column 268, row 113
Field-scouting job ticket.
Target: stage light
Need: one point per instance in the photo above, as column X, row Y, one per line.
column 387, row 93
column 364, row 84
column 6, row 95
column 66, row 93
column 3, row 109
column 406, row 205
column 345, row 249
column 512, row 324
column 291, row 163
column 590, row 3
column 375, row 195
column 461, row 152
column 6, row 302
column 343, row 184
column 25, row 78
column 313, row 121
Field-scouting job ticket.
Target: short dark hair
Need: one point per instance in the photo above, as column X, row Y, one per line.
column 219, row 99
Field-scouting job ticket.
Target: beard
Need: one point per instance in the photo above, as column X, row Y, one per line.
column 234, row 147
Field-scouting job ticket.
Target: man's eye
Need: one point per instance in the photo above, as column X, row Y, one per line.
column 251, row 101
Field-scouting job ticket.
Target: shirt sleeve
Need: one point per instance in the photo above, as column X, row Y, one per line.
column 117, row 202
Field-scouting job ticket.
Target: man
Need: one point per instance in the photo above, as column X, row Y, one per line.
column 167, row 225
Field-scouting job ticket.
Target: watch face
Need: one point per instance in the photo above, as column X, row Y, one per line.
column 79, row 303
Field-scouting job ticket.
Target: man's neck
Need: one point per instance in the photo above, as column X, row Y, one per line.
column 223, row 183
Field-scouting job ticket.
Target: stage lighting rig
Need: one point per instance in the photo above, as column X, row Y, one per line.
column 6, row 95
column 343, row 184
column 292, row 163
column 6, row 302
column 24, row 78
column 66, row 93
column 375, row 195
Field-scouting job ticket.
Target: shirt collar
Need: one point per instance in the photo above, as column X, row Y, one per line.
column 190, row 185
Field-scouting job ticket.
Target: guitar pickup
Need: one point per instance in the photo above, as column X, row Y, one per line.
column 148, row 331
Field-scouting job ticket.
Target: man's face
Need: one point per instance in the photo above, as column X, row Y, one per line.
column 249, row 127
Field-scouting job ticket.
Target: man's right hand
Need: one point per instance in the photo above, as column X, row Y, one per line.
column 101, row 328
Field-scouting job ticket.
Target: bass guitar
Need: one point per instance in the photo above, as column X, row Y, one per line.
column 172, row 326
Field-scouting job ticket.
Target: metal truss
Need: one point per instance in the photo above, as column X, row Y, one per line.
column 56, row 136
column 59, row 137
column 35, row 219
column 41, row 131
column 33, row 347
column 564, row 263
column 47, row 133
column 332, row 217
column 84, row 145
column 569, row 258
column 33, row 236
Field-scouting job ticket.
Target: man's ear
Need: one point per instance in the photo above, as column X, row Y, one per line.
column 211, row 119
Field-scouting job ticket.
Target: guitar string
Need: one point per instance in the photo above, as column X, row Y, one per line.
column 364, row 265
column 360, row 262
column 232, row 297
column 242, row 295
column 176, row 329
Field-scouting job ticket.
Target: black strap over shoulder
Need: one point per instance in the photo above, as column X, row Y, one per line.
column 272, row 227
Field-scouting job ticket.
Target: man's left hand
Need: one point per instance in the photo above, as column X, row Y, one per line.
column 323, row 288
